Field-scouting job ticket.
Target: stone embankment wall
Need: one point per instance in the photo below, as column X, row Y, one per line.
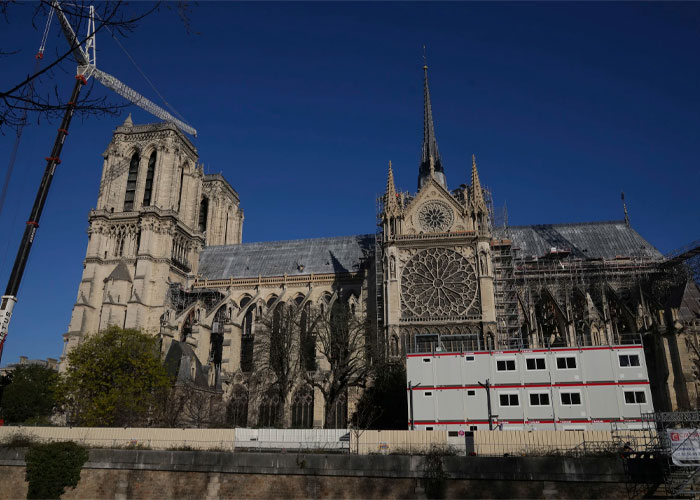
column 145, row 474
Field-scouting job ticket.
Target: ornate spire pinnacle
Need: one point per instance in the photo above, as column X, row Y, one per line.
column 624, row 207
column 128, row 122
column 390, row 204
column 430, row 147
column 477, row 193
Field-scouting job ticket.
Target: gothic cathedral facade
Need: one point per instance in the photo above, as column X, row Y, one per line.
column 165, row 255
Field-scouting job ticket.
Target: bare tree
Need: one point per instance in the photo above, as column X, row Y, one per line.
column 27, row 95
column 189, row 405
column 343, row 341
column 277, row 361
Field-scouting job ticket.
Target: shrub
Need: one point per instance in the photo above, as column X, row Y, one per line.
column 52, row 467
column 434, row 476
column 17, row 440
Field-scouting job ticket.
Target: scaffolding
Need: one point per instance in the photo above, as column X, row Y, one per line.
column 681, row 475
column 506, row 294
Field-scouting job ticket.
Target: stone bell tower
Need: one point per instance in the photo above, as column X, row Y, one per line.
column 155, row 212
column 437, row 272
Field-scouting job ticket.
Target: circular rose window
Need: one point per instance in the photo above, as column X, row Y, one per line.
column 435, row 216
column 438, row 282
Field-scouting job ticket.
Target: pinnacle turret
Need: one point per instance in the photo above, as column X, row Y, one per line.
column 430, row 146
column 390, row 203
column 477, row 194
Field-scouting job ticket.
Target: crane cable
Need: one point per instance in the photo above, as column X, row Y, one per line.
column 23, row 121
column 167, row 104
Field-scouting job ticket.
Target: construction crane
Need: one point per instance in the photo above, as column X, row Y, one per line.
column 85, row 56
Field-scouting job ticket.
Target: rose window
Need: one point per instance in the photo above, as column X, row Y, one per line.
column 439, row 282
column 435, row 216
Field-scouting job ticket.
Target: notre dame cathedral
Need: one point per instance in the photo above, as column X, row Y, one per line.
column 165, row 255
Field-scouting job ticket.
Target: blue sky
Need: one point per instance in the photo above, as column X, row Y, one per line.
column 302, row 105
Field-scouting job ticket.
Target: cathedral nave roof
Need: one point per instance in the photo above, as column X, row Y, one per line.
column 336, row 255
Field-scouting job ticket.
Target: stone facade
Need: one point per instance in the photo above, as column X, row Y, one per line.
column 148, row 228
column 165, row 255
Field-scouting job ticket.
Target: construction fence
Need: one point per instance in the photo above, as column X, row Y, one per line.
column 363, row 442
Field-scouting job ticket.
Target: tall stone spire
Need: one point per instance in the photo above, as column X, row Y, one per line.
column 477, row 193
column 430, row 147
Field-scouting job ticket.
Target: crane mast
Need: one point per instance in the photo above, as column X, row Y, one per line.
column 86, row 58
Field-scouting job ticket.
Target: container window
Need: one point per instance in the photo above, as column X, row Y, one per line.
column 535, row 364
column 570, row 398
column 635, row 397
column 566, row 363
column 627, row 360
column 505, row 365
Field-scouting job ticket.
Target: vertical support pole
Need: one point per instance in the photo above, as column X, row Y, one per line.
column 487, row 386
column 410, row 396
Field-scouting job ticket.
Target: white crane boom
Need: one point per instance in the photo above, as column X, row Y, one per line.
column 86, row 67
column 131, row 95
column 78, row 53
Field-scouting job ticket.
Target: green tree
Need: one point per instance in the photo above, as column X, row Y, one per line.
column 114, row 378
column 30, row 394
column 383, row 405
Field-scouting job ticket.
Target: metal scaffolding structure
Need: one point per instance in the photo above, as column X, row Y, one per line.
column 681, row 475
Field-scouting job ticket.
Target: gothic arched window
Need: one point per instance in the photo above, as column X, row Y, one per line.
column 131, row 182
column 278, row 355
column 237, row 408
column 217, row 337
column 270, row 409
column 203, row 214
column 340, row 317
column 150, row 173
column 120, row 245
column 308, row 340
column 338, row 413
column 303, row 408
column 247, row 339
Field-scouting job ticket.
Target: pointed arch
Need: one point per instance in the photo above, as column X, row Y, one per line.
column 237, row 407
column 216, row 342
column 131, row 179
column 303, row 408
column 203, row 214
column 270, row 409
column 247, row 339
column 307, row 339
column 338, row 413
column 150, row 175
column 277, row 337
column 186, row 330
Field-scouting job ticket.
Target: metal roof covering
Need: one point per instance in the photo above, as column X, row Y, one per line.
column 586, row 240
column 292, row 257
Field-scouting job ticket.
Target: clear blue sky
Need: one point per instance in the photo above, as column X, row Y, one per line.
column 301, row 106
